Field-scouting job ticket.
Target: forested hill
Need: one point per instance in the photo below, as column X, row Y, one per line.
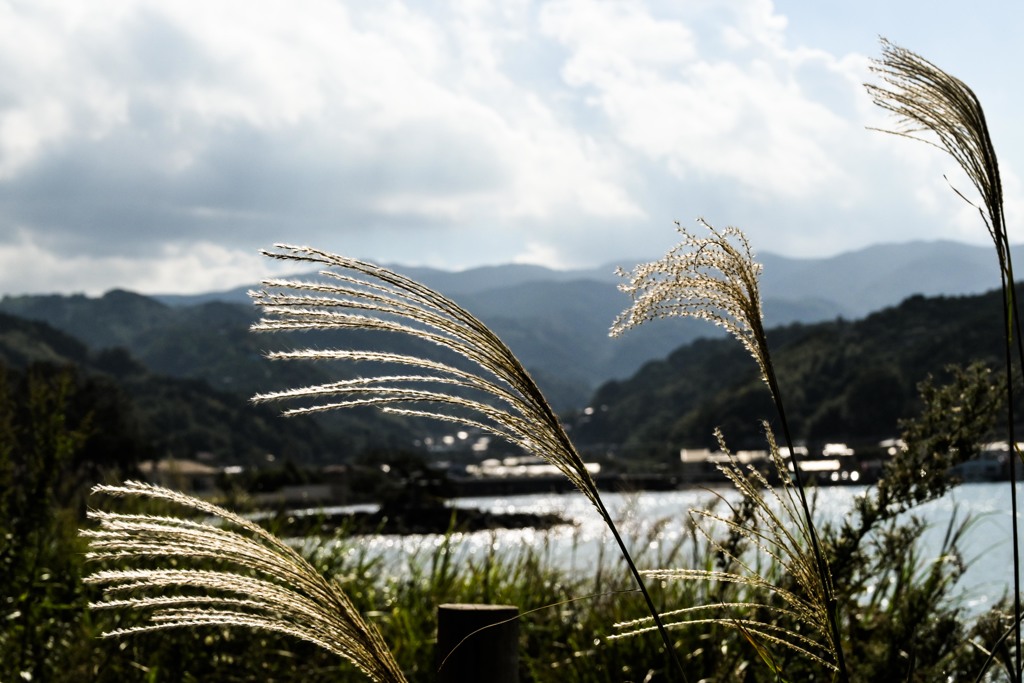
column 558, row 329
column 135, row 414
column 841, row 380
column 556, row 322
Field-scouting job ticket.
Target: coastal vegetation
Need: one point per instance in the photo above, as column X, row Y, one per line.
column 760, row 589
column 912, row 620
column 854, row 395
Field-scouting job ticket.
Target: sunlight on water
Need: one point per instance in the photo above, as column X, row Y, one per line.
column 655, row 523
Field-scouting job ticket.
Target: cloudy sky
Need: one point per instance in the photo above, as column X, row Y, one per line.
column 158, row 145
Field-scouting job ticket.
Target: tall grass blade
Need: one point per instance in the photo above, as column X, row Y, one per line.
column 797, row 613
column 941, row 110
column 716, row 278
column 493, row 392
column 261, row 582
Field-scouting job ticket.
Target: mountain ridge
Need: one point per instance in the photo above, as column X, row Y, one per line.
column 842, row 379
column 555, row 321
column 928, row 267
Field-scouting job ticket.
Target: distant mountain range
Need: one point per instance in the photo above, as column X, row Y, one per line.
column 555, row 321
column 851, row 285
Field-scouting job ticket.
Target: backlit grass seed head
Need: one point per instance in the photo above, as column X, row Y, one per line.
column 713, row 278
column 258, row 583
column 492, row 392
column 941, row 110
column 793, row 613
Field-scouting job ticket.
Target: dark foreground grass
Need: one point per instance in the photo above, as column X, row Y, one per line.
column 900, row 610
column 891, row 612
column 904, row 620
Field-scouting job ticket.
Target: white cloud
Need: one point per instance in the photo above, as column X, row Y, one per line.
column 616, row 36
column 196, row 268
column 540, row 254
column 740, row 118
column 560, row 131
column 213, row 95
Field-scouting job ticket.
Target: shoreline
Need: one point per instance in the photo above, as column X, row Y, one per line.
column 403, row 522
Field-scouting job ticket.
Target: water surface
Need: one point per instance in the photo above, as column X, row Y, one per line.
column 656, row 522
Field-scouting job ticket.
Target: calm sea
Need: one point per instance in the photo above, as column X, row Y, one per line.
column 656, row 522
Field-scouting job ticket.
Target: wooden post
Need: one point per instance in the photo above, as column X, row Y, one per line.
column 477, row 643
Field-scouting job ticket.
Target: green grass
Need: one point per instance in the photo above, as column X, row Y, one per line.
column 762, row 592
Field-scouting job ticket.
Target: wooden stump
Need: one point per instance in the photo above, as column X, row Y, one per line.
column 477, row 643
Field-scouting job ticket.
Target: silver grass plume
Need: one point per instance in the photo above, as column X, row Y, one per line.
column 941, row 110
column 497, row 395
column 262, row 583
column 778, row 531
column 712, row 278
column 927, row 100
column 716, row 278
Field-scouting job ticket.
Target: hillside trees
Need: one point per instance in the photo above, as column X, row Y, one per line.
column 843, row 380
column 58, row 432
